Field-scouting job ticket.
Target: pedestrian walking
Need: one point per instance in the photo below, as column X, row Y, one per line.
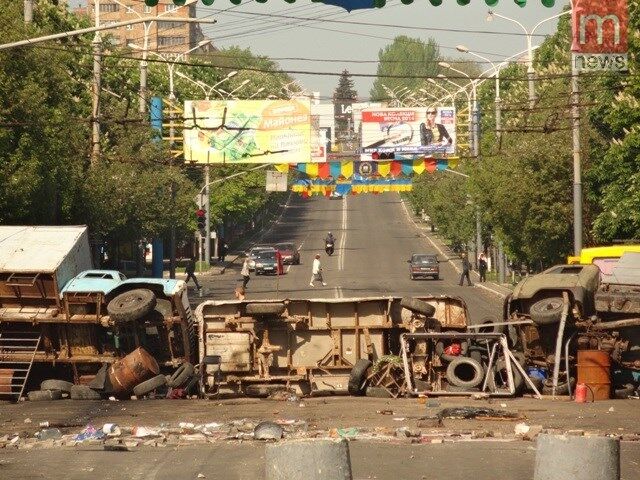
column 466, row 267
column 245, row 273
column 190, row 270
column 316, row 272
column 222, row 250
column 482, row 267
column 239, row 293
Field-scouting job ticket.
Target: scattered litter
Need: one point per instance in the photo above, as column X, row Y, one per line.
column 385, row 412
column 89, row 433
column 201, row 475
column 351, row 432
column 284, row 396
column 48, row 434
column 479, row 396
column 113, row 399
column 27, row 420
column 611, row 409
column 503, row 405
column 141, row 432
column 399, row 419
column 111, row 430
column 268, row 431
column 521, row 428
column 475, row 412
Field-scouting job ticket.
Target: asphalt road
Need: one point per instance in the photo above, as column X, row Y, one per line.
column 374, row 239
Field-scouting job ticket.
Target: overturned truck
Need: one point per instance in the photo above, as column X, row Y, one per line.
column 309, row 345
column 60, row 319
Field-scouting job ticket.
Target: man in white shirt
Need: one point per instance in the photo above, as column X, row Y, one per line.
column 316, row 272
column 245, row 273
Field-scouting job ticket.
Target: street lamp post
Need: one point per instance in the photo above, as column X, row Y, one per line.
column 207, row 90
column 529, row 34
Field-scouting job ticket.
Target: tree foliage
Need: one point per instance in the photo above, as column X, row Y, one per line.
column 405, row 57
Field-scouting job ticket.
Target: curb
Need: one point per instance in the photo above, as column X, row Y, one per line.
column 489, row 289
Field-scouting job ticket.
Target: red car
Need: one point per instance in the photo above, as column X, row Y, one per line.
column 289, row 252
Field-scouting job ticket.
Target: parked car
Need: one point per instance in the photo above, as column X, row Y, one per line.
column 253, row 254
column 424, row 265
column 289, row 252
column 266, row 262
column 336, row 196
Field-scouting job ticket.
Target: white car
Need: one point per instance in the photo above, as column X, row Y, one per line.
column 253, row 253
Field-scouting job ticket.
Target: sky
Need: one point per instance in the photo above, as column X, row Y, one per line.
column 326, row 45
column 340, row 45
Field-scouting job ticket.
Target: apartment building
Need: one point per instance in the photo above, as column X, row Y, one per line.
column 164, row 36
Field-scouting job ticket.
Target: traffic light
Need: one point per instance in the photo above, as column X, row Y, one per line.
column 201, row 221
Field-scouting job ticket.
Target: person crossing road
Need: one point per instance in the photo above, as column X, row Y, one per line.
column 316, row 272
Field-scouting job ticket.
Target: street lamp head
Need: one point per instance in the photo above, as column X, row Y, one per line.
column 431, row 80
column 204, row 42
column 232, row 73
column 440, row 75
column 261, row 89
column 244, row 82
column 444, row 64
column 462, row 48
column 134, row 46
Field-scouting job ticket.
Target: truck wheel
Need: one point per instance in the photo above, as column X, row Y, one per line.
column 264, row 308
column 149, row 386
column 418, row 306
column 181, row 375
column 44, row 395
column 82, row 392
column 358, row 377
column 547, row 311
column 465, row 372
column 132, row 305
column 562, row 388
column 56, row 385
column 500, row 376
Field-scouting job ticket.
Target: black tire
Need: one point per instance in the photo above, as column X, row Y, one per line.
column 537, row 382
column 132, row 305
column 44, row 395
column 150, row 385
column 547, row 311
column 358, row 377
column 562, row 389
column 378, row 392
column 624, row 391
column 465, row 372
column 417, row 306
column 181, row 375
column 492, row 328
column 500, row 373
column 61, row 385
column 264, row 308
column 82, row 392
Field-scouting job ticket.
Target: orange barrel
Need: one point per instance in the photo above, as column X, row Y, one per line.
column 131, row 370
column 594, row 370
column 6, row 379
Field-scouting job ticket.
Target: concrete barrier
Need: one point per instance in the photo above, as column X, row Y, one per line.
column 560, row 457
column 308, row 460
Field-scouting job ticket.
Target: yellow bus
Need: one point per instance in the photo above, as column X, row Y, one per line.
column 604, row 257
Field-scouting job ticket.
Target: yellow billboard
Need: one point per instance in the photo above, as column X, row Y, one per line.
column 247, row 131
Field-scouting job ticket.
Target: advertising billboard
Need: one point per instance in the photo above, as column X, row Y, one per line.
column 599, row 31
column 429, row 131
column 247, row 131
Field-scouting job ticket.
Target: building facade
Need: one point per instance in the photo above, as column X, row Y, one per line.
column 163, row 36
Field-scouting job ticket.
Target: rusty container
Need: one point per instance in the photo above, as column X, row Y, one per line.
column 131, row 370
column 594, row 370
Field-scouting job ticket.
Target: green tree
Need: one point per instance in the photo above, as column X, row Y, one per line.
column 406, row 62
column 344, row 93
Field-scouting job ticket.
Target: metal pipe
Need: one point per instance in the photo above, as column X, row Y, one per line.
column 558, row 351
column 566, row 361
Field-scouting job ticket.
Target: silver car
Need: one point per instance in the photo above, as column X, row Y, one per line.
column 253, row 254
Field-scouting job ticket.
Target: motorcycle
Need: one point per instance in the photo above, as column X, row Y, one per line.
column 329, row 248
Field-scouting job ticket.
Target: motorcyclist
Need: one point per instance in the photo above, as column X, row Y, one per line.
column 330, row 238
column 329, row 243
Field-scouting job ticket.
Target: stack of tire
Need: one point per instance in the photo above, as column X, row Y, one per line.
column 185, row 377
column 58, row 389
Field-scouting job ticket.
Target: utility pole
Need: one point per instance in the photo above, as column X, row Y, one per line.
column 577, row 168
column 207, row 240
column 28, row 11
column 97, row 80
column 172, row 232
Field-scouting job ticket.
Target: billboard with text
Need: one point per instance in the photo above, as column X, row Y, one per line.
column 247, row 131
column 429, row 131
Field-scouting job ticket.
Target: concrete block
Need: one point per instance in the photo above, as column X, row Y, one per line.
column 559, row 457
column 308, row 460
